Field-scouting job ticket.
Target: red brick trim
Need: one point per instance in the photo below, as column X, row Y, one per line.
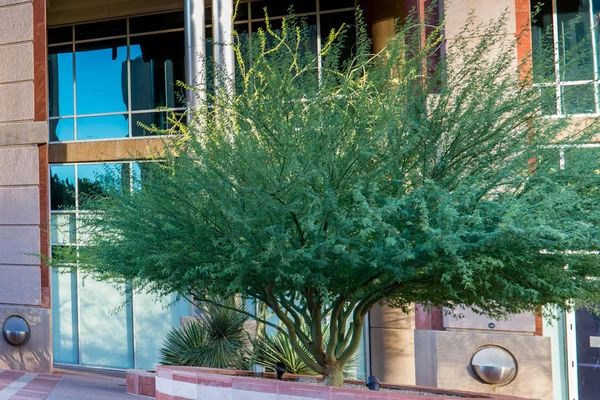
column 44, row 224
column 429, row 320
column 40, row 60
column 524, row 45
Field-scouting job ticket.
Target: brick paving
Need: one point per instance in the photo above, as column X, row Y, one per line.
column 18, row 385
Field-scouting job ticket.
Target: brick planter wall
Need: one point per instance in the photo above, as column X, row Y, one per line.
column 186, row 383
column 141, row 383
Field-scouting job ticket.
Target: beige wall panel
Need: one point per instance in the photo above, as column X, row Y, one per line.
column 16, row 101
column 16, row 62
column 118, row 8
column 36, row 355
column 23, row 133
column 467, row 319
column 62, row 12
column 457, row 12
column 12, row 2
column 68, row 11
column 17, row 243
column 19, row 166
column 105, row 150
column 393, row 355
column 454, row 350
column 19, row 206
column 16, row 23
column 20, row 285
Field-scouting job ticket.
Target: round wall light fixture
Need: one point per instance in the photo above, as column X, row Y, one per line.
column 494, row 365
column 16, row 331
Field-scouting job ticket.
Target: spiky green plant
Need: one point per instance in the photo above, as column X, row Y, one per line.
column 217, row 339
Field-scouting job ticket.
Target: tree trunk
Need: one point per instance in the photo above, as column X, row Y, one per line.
column 334, row 375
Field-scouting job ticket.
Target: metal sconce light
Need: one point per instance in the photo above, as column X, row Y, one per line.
column 280, row 369
column 16, row 331
column 494, row 365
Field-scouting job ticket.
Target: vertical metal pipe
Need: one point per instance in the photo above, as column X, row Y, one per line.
column 195, row 49
column 222, row 11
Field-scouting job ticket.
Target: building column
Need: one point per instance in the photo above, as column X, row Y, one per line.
column 24, row 280
column 195, row 49
column 224, row 57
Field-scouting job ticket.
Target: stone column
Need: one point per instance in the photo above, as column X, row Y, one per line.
column 24, row 281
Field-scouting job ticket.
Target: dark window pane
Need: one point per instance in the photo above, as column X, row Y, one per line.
column 548, row 100
column 101, row 76
column 60, row 35
column 241, row 14
column 277, row 8
column 60, row 80
column 335, row 4
column 100, row 30
column 108, row 127
column 157, row 63
column 158, row 121
column 62, row 187
column 542, row 37
column 333, row 22
column 574, row 40
column 61, row 129
column 153, row 23
column 578, row 99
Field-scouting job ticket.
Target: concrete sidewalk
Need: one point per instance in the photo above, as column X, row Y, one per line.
column 18, row 385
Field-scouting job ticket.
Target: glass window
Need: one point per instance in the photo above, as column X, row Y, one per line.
column 62, row 187
column 61, row 129
column 278, row 8
column 154, row 23
column 145, row 124
column 60, row 35
column 60, row 80
column 109, row 127
column 98, row 30
column 156, row 66
column 93, row 325
column 565, row 35
column 101, row 69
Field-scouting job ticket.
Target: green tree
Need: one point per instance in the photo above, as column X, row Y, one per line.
column 323, row 189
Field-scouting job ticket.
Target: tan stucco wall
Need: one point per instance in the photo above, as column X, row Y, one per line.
column 443, row 361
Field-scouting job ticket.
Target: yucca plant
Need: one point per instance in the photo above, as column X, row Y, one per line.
column 217, row 339
column 273, row 349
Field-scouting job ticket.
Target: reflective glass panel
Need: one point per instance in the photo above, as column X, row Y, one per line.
column 101, row 69
column 542, row 38
column 588, row 354
column 280, row 8
column 153, row 320
column 333, row 22
column 60, row 35
column 578, row 99
column 95, row 179
column 574, row 40
column 158, row 120
column 64, row 317
column 62, row 187
column 105, row 325
column 157, row 63
column 108, row 127
column 62, row 228
column 157, row 22
column 98, row 30
column 60, row 81
column 335, row 4
column 61, row 129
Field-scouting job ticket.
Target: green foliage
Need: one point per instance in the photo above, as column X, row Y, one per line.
column 278, row 349
column 395, row 178
column 217, row 339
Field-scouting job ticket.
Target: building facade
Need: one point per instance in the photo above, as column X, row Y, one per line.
column 77, row 77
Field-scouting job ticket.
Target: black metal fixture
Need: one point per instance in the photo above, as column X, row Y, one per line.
column 373, row 383
column 16, row 331
column 280, row 369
